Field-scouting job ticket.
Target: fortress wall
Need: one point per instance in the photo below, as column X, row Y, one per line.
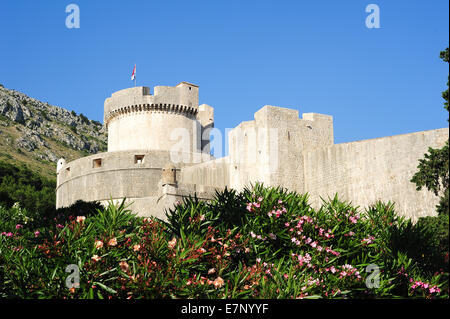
column 109, row 184
column 377, row 169
column 269, row 149
column 151, row 130
column 184, row 93
column 215, row 173
column 157, row 205
column 205, row 116
column 118, row 176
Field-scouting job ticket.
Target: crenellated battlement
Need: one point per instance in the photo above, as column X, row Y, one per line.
column 182, row 99
column 157, row 108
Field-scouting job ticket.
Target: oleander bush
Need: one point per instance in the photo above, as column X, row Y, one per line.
column 259, row 243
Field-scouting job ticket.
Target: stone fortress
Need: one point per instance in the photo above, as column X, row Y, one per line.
column 159, row 152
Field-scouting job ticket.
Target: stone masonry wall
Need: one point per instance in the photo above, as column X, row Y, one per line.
column 377, row 169
column 115, row 175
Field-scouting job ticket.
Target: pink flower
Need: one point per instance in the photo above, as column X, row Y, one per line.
column 18, row 226
column 36, row 233
column 95, row 258
column 124, row 266
column 98, row 244
column 112, row 242
column 59, row 226
column 172, row 243
column 368, row 240
column 260, row 199
column 136, row 247
column 80, row 219
column 435, row 289
column 218, row 282
column 211, row 271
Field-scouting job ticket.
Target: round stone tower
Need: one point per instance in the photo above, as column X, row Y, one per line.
column 166, row 120
column 150, row 138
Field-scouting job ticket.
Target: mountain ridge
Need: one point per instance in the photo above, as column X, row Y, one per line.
column 37, row 134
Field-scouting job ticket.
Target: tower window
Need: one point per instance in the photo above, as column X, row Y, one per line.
column 138, row 159
column 97, row 163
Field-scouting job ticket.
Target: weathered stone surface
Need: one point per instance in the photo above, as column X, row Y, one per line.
column 38, row 121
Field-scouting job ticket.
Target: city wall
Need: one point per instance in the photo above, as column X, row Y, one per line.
column 116, row 175
column 366, row 171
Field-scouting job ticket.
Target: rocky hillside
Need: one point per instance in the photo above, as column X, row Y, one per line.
column 38, row 134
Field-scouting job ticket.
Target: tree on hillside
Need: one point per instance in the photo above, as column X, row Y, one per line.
column 434, row 168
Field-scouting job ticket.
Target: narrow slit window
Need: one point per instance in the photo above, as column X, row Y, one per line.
column 138, row 159
column 97, row 163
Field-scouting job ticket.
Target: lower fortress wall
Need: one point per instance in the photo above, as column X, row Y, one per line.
column 377, row 169
column 215, row 173
column 130, row 174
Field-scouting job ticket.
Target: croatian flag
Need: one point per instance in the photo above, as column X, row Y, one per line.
column 133, row 75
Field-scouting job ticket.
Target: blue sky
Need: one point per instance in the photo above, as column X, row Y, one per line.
column 314, row 56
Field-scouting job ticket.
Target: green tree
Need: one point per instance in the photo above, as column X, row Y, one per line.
column 444, row 56
column 433, row 170
column 32, row 191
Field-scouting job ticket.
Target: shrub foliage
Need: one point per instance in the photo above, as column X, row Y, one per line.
column 258, row 243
